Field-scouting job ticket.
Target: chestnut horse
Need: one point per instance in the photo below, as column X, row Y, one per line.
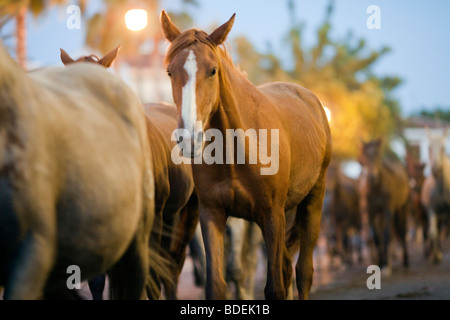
column 76, row 185
column 384, row 185
column 285, row 199
column 436, row 192
column 176, row 212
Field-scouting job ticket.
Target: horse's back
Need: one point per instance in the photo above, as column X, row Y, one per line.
column 292, row 100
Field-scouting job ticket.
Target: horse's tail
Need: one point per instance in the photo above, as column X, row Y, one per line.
column 160, row 272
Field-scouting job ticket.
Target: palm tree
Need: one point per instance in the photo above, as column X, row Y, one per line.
column 18, row 9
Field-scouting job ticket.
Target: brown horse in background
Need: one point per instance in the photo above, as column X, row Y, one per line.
column 175, row 200
column 176, row 210
column 436, row 192
column 384, row 185
column 76, row 184
column 286, row 202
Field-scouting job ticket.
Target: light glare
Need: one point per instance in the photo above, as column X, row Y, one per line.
column 328, row 113
column 136, row 19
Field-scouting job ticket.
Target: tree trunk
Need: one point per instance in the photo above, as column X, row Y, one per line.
column 21, row 37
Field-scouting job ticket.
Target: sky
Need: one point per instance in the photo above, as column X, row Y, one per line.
column 417, row 31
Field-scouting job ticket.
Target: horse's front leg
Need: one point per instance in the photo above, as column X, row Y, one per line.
column 213, row 222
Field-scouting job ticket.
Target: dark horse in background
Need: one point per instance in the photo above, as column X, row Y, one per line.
column 176, row 210
column 418, row 211
column 384, row 185
column 285, row 199
column 344, row 218
column 436, row 192
column 76, row 183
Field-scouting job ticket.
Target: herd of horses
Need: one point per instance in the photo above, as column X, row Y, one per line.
column 87, row 179
column 390, row 199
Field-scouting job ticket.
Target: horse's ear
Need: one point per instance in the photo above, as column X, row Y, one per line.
column 65, row 58
column 169, row 29
column 109, row 58
column 220, row 34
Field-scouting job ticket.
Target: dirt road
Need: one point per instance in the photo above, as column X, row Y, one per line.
column 423, row 280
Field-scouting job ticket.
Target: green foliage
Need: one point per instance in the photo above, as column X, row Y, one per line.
column 442, row 113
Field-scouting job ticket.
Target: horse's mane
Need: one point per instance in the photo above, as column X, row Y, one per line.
column 91, row 58
column 191, row 36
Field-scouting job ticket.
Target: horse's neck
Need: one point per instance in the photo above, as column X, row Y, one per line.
column 235, row 89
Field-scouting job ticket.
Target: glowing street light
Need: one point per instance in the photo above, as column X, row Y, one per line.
column 136, row 19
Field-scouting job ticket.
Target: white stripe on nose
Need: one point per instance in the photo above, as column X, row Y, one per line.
column 189, row 104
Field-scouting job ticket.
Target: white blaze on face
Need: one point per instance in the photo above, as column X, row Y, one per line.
column 189, row 103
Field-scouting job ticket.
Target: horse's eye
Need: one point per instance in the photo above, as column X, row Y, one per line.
column 213, row 72
column 169, row 73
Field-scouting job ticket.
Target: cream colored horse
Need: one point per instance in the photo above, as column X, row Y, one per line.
column 76, row 186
